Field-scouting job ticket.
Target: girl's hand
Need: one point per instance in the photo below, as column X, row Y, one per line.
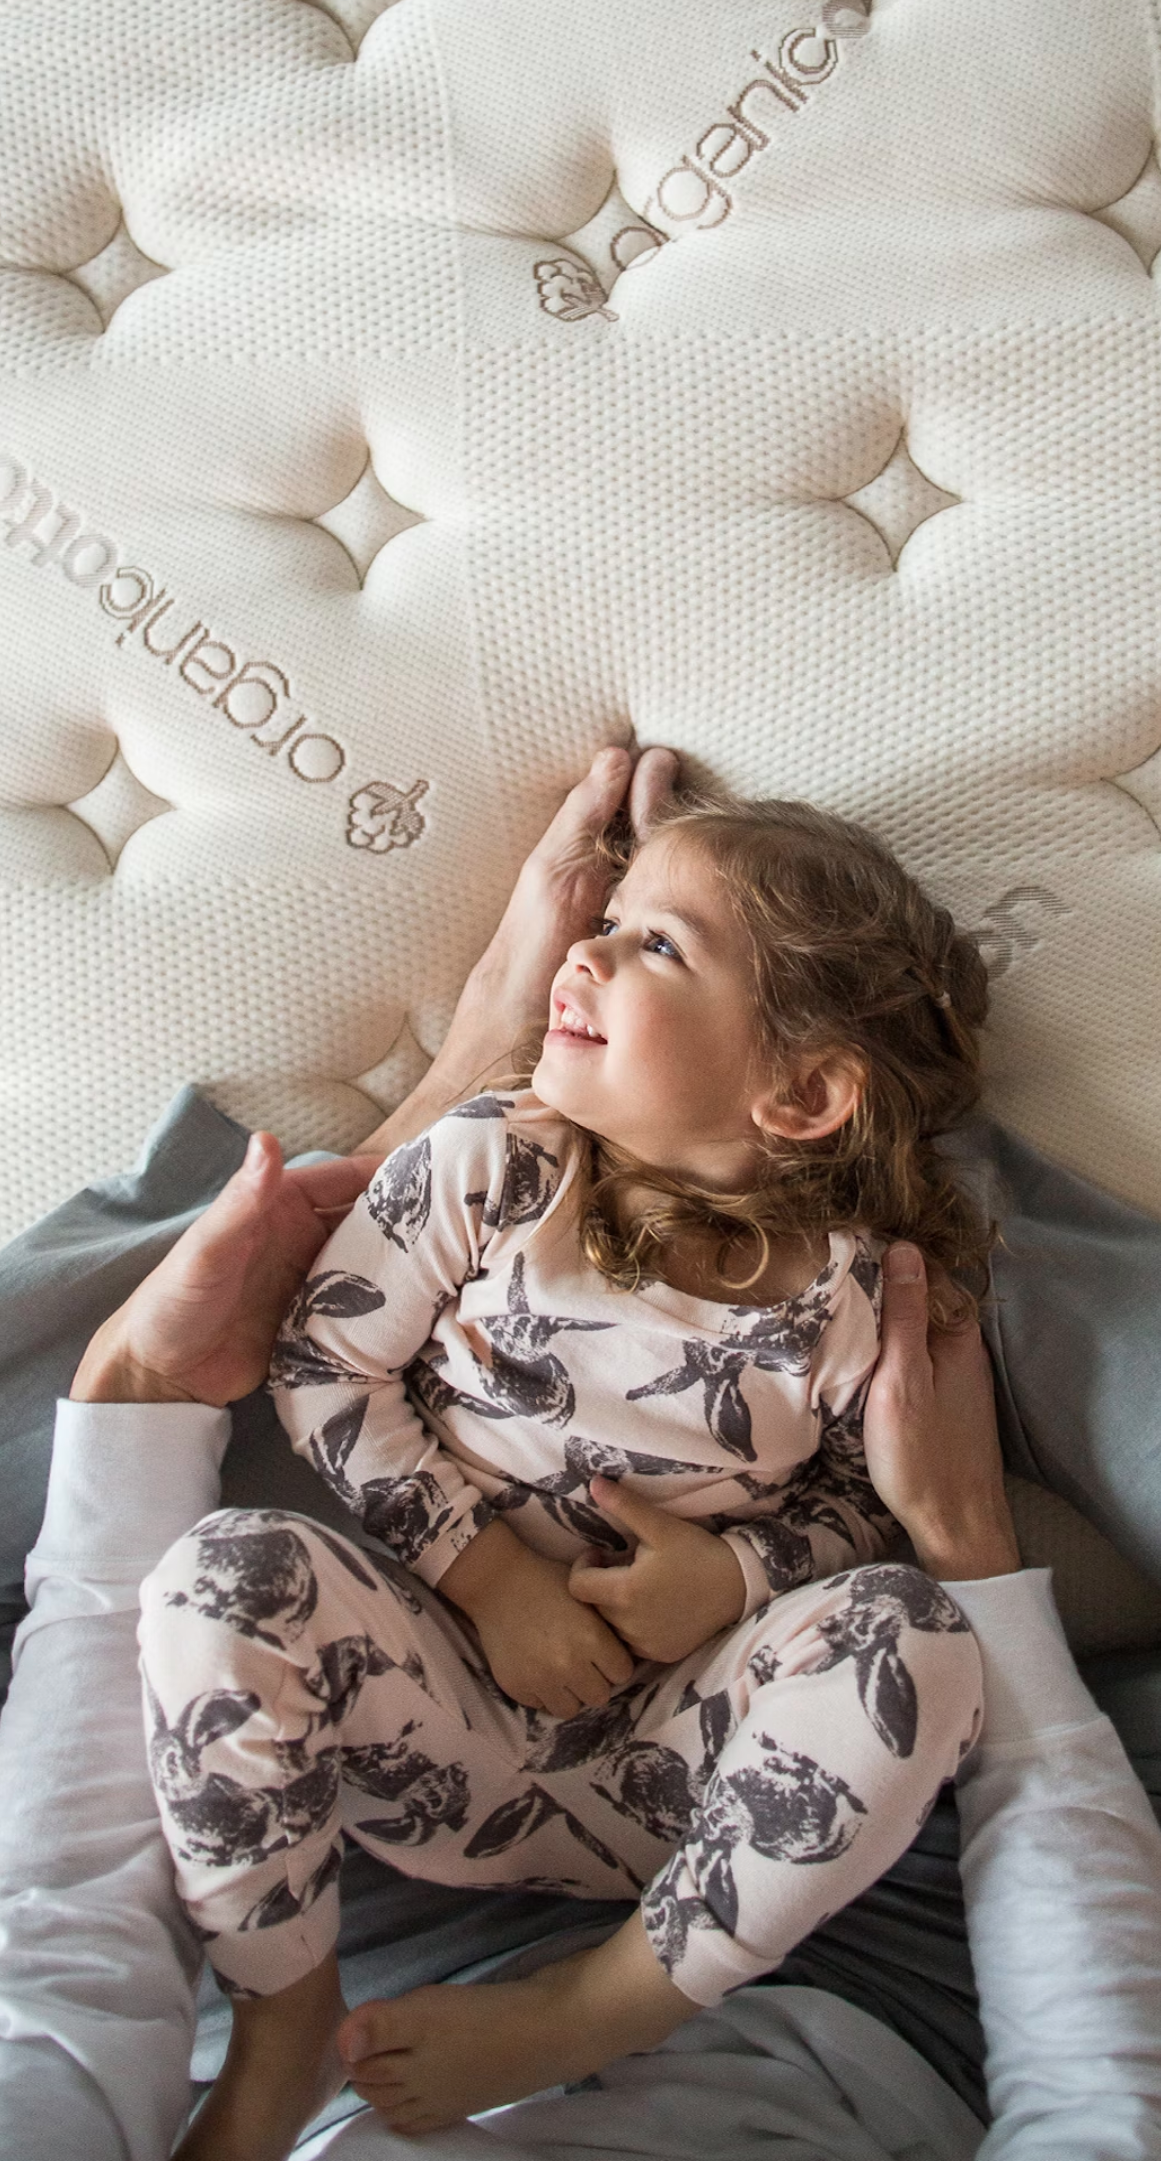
column 682, row 1585
column 201, row 1327
column 542, row 1648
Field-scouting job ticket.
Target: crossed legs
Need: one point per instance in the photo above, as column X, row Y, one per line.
column 296, row 1691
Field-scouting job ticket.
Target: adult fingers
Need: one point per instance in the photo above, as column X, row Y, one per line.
column 332, row 1188
column 961, row 1366
column 904, row 1358
column 211, row 1250
column 654, row 778
column 586, row 808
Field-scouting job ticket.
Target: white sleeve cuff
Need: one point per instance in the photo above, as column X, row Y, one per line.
column 126, row 1480
column 1031, row 1684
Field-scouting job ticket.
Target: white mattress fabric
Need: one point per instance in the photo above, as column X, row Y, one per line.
column 396, row 402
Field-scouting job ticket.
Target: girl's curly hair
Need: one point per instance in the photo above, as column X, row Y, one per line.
column 849, row 956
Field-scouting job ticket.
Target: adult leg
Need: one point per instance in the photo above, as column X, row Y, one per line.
column 99, row 1965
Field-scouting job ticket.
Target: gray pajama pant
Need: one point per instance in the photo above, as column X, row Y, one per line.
column 298, row 1687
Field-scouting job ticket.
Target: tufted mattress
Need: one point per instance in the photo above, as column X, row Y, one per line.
column 397, row 402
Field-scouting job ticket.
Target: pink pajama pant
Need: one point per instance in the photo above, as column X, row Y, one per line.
column 298, row 1688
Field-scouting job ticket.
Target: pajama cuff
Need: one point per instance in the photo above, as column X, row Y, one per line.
column 714, row 1963
column 260, row 1961
column 436, row 1559
column 758, row 1590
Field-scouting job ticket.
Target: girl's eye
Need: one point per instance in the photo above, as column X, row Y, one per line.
column 605, row 927
column 657, row 942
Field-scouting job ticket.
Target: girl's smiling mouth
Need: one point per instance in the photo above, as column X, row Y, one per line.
column 571, row 1022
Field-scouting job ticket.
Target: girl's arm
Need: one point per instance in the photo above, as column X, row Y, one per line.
column 367, row 1307
column 826, row 1518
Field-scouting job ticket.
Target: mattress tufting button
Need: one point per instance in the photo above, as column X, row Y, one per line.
column 844, row 19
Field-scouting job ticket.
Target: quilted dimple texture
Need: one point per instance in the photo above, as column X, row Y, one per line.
column 399, row 401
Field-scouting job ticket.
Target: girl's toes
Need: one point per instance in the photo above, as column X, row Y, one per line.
column 378, row 2080
column 409, row 2116
column 373, row 2029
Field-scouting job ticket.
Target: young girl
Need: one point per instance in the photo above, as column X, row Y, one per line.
column 588, row 1361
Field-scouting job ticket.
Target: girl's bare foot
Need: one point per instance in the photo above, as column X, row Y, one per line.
column 281, row 2068
column 440, row 2054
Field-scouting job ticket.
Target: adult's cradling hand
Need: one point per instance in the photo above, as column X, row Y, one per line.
column 929, row 1433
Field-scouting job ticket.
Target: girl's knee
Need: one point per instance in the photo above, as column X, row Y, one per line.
column 895, row 1638
column 909, row 1642
column 888, row 1597
column 251, row 1568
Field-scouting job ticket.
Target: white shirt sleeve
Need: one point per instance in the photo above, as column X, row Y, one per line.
column 1061, row 1864
column 98, row 1966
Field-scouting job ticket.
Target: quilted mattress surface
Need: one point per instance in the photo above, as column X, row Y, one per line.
column 397, row 402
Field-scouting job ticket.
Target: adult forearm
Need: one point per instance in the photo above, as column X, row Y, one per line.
column 106, row 1374
column 437, row 1092
column 96, row 1998
column 1061, row 1866
column 967, row 1551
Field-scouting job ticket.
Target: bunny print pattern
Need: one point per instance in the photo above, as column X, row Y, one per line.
column 298, row 1690
column 454, row 1355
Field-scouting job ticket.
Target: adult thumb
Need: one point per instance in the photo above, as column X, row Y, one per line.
column 262, row 1152
column 904, row 1301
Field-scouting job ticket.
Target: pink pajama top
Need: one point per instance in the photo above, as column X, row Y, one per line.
column 453, row 1356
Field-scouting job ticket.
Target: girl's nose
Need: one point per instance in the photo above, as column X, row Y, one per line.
column 592, row 957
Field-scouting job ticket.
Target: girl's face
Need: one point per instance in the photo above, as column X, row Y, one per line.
column 651, row 1036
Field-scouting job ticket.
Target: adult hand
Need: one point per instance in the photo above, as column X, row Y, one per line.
column 682, row 1584
column 561, row 887
column 929, row 1433
column 201, row 1327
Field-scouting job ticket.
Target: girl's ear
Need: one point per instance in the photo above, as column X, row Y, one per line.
column 823, row 1093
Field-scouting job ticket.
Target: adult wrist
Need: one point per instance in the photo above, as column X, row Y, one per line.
column 108, row 1374
column 965, row 1552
